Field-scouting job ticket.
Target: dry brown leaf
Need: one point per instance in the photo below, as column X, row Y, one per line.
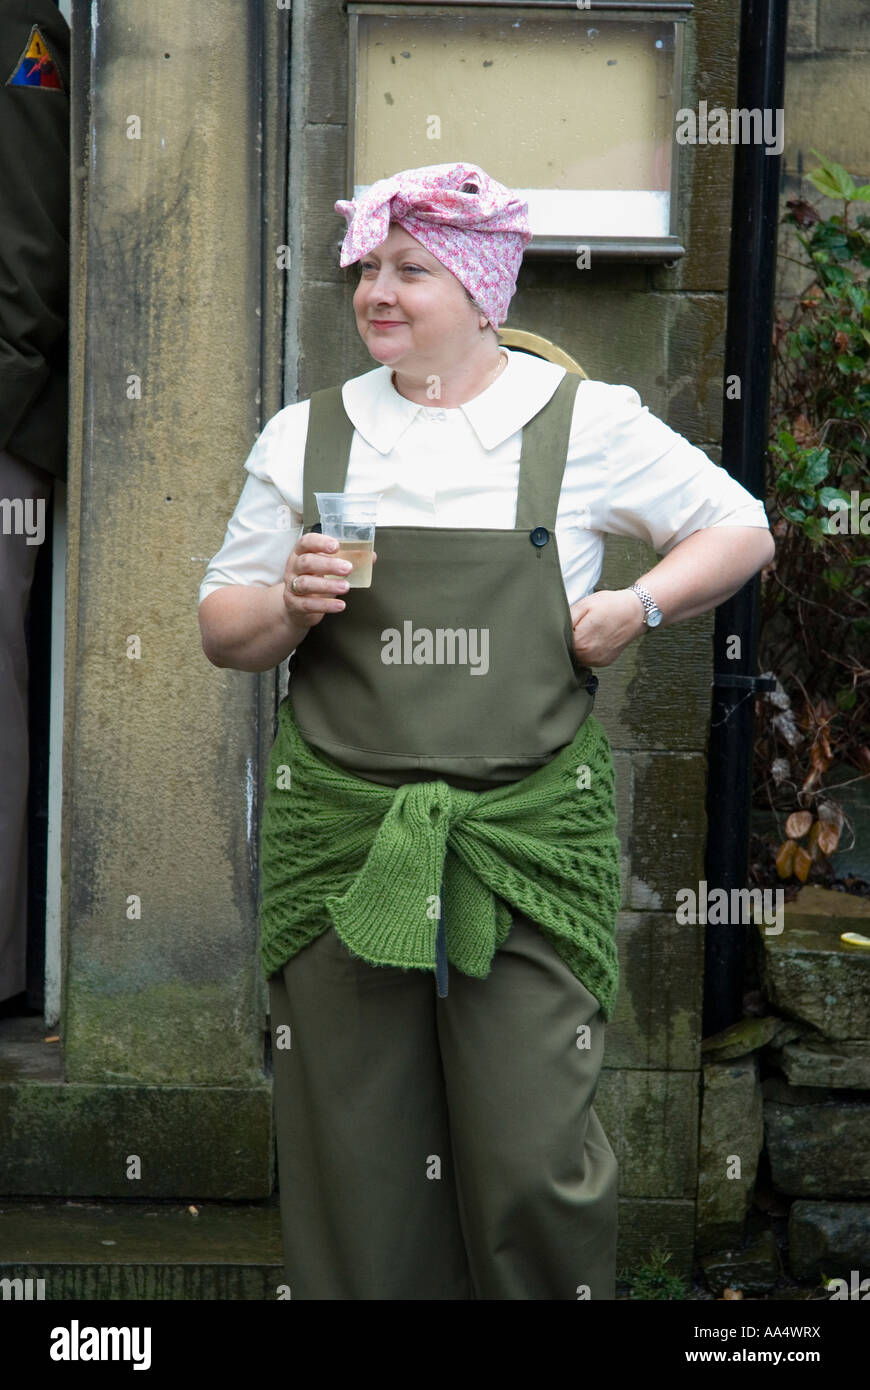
column 802, row 864
column 829, row 838
column 785, row 859
column 798, row 824
column 732, row 1293
column 831, row 819
column 813, row 848
column 55, row 1037
column 804, row 433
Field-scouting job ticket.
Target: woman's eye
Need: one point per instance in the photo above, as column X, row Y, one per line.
column 369, row 265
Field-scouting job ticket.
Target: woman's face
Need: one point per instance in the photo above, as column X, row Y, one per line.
column 404, row 285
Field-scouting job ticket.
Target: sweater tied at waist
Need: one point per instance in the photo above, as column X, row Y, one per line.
column 387, row 866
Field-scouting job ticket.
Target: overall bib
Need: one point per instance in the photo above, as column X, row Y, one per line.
column 443, row 1145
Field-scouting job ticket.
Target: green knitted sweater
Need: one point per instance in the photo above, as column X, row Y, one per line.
column 371, row 861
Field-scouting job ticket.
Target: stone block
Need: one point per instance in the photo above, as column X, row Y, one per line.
column 823, row 91
column 651, row 1121
column 828, row 1239
column 106, row 1251
column 321, row 229
column 668, row 832
column 655, row 1224
column 657, row 1021
column 323, row 62
column 193, row 1142
column 818, row 1142
column 657, row 694
column 845, row 24
column 809, row 974
column 802, row 24
column 732, row 1136
column 814, row 1061
column 753, row 1271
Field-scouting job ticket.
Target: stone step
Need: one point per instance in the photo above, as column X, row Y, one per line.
column 808, row 973
column 140, row 1249
column 86, row 1139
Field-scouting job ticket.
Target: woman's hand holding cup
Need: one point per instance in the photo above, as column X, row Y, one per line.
column 314, row 578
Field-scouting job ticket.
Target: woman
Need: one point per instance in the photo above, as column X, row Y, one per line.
column 439, row 793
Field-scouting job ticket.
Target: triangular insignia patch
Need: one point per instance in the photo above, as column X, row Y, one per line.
column 35, row 67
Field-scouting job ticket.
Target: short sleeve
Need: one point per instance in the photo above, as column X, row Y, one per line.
column 661, row 488
column 265, row 525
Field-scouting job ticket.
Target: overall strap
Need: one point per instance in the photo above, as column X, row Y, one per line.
column 327, row 450
column 544, row 456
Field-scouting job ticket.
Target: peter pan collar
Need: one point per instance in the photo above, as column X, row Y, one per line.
column 381, row 414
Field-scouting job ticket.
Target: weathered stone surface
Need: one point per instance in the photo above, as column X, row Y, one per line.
column 333, row 348
column 818, row 1141
column 667, row 849
column 191, row 1141
column 844, row 24
column 754, row 1270
column 651, row 1118
column 712, row 42
column 822, row 93
column 802, row 22
column 322, row 230
column 657, row 1022
column 624, row 785
column 320, row 40
column 818, row 1062
column 810, row 974
column 646, row 1225
column 143, row 1250
column 657, row 694
column 747, row 1035
column 158, row 762
column 828, row 1238
column 731, row 1139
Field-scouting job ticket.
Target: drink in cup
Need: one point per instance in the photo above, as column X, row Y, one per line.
column 350, row 517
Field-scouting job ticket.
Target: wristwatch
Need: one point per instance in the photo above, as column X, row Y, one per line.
column 652, row 614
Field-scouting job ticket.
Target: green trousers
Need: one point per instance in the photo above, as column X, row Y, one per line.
column 441, row 1148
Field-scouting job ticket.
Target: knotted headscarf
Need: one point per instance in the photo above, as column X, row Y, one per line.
column 475, row 226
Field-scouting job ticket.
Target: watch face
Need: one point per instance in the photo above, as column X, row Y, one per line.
column 654, row 618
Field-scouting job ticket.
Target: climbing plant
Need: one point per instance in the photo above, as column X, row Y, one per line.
column 815, row 594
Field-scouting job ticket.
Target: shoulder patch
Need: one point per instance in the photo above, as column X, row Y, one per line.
column 36, row 67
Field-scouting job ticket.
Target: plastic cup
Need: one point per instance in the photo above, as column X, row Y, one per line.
column 350, row 518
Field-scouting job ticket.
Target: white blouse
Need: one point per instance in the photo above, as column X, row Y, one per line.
column 627, row 473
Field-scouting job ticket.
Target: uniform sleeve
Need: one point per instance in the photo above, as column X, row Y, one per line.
column 265, row 525
column 661, row 488
column 34, row 225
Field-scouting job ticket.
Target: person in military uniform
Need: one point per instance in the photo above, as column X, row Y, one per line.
column 34, row 293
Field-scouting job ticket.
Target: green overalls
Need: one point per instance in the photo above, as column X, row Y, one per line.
column 442, row 1144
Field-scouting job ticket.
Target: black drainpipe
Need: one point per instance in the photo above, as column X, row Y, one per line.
column 754, row 220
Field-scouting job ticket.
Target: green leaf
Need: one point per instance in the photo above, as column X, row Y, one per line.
column 828, row 494
column 846, row 698
column 824, row 183
column 794, row 513
column 841, row 182
column 862, row 194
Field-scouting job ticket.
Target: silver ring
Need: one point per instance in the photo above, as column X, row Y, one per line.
column 293, row 586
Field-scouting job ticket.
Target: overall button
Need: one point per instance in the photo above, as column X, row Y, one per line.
column 539, row 536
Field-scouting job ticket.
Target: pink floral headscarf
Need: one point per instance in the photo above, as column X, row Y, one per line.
column 470, row 222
